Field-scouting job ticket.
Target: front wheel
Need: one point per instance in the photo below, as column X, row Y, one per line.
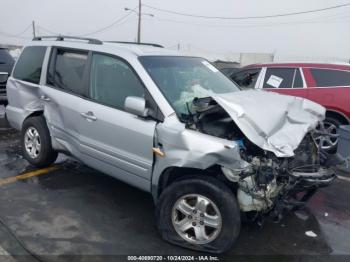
column 328, row 141
column 36, row 142
column 200, row 214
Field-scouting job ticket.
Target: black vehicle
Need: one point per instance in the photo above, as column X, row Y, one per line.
column 6, row 65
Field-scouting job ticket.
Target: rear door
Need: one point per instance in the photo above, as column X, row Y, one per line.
column 288, row 81
column 65, row 87
column 330, row 88
column 112, row 140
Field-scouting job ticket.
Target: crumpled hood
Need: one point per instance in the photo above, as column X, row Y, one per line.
column 274, row 122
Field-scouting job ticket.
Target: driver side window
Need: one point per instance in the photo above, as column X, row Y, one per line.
column 112, row 80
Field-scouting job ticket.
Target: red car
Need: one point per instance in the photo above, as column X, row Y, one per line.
column 326, row 84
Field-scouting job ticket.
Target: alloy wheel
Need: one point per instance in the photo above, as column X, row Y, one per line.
column 196, row 219
column 329, row 137
column 32, row 142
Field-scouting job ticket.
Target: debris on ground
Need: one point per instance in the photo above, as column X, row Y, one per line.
column 301, row 215
column 310, row 234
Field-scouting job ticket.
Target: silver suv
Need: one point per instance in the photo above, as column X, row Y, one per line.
column 171, row 125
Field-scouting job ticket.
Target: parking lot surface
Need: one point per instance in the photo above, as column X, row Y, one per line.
column 74, row 210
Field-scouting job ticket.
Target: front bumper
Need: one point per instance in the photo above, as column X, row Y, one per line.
column 301, row 188
column 322, row 178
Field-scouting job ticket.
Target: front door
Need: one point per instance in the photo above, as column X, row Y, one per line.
column 112, row 140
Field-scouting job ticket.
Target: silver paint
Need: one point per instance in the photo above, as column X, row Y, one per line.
column 120, row 144
column 274, row 122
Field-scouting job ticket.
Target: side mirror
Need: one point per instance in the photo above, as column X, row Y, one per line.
column 136, row 105
column 3, row 77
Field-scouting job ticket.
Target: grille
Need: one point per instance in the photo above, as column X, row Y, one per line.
column 2, row 89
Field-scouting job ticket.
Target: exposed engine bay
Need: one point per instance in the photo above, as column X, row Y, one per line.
column 269, row 184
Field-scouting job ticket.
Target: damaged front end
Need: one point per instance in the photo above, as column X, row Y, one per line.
column 271, row 184
column 283, row 166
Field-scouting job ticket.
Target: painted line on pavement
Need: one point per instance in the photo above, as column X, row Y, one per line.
column 27, row 175
column 344, row 178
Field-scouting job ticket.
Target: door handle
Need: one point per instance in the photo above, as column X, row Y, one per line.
column 45, row 98
column 89, row 116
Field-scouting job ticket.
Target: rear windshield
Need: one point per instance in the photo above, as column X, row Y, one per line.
column 6, row 61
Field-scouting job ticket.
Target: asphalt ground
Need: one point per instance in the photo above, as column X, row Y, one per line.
column 72, row 212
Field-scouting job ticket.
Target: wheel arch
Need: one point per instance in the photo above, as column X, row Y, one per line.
column 174, row 173
column 341, row 117
column 35, row 113
column 32, row 114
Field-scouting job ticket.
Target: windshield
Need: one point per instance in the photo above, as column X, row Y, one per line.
column 181, row 79
column 6, row 61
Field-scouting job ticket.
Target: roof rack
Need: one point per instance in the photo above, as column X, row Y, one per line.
column 63, row 37
column 135, row 43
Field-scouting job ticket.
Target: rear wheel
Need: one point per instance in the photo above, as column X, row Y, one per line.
column 36, row 142
column 200, row 214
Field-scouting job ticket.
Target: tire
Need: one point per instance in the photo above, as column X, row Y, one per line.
column 211, row 189
column 46, row 155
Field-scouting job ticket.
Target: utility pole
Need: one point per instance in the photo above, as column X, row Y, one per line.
column 139, row 24
column 139, row 15
column 33, row 25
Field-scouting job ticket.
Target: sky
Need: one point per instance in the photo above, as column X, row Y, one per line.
column 321, row 34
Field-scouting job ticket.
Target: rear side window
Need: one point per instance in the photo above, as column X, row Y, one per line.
column 29, row 65
column 247, row 78
column 283, row 78
column 327, row 77
column 67, row 69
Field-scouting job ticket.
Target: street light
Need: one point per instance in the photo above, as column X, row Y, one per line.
column 132, row 10
column 139, row 14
